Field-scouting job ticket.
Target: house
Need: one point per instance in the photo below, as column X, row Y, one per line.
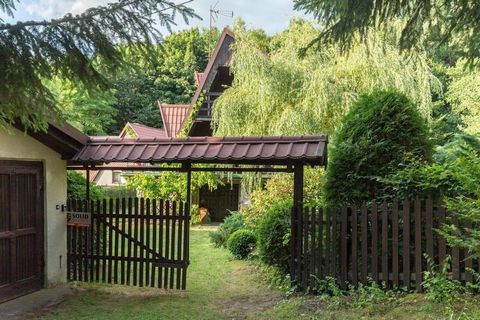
column 215, row 79
column 33, row 189
column 115, row 178
column 194, row 120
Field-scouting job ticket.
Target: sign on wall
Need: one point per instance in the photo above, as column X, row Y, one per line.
column 79, row 219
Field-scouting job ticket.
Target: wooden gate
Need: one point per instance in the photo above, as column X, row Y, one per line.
column 21, row 228
column 135, row 241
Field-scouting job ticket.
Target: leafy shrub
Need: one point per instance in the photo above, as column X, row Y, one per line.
column 379, row 133
column 76, row 188
column 195, row 217
column 241, row 243
column 279, row 188
column 232, row 223
column 274, row 236
column 437, row 284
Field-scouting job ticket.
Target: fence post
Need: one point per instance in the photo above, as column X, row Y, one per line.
column 296, row 243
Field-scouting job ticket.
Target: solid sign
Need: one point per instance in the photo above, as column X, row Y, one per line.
column 79, row 219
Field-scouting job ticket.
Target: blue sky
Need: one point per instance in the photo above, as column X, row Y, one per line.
column 270, row 15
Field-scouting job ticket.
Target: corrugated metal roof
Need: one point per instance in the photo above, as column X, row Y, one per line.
column 241, row 150
column 173, row 117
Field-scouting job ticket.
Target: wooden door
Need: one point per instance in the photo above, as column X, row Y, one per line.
column 21, row 228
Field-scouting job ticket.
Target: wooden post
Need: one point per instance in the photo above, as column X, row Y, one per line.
column 87, row 186
column 296, row 238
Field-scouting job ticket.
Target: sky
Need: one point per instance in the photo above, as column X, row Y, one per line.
column 271, row 15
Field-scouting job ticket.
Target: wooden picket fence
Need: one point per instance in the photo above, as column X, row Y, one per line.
column 385, row 243
column 134, row 241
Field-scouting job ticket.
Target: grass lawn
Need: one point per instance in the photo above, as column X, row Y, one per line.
column 221, row 288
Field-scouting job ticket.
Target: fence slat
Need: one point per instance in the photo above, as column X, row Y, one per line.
column 141, row 270
column 385, row 243
column 179, row 244
column 418, row 245
column 406, row 244
column 442, row 245
column 98, row 240
column 328, row 243
column 117, row 240
column 129, row 242
column 321, row 258
column 154, row 227
column 123, row 242
column 147, row 240
column 167, row 241
column 455, row 255
column 160, row 240
column 334, row 243
column 344, row 249
column 354, row 246
column 364, row 243
column 313, row 253
column 468, row 258
column 395, row 267
column 172, row 242
column 375, row 241
column 429, row 226
column 135, row 236
column 186, row 240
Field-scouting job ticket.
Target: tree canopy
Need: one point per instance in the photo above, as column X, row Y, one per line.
column 33, row 51
column 282, row 93
column 452, row 22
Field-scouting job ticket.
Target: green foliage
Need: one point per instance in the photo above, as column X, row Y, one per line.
column 169, row 80
column 453, row 22
column 89, row 111
column 438, row 285
column 278, row 189
column 382, row 131
column 170, row 185
column 118, row 192
column 454, row 174
column 449, row 174
column 232, row 223
column 241, row 243
column 76, row 187
column 273, row 234
column 35, row 51
column 464, row 96
column 195, row 217
column 281, row 93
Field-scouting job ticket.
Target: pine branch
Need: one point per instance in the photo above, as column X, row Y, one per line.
column 84, row 47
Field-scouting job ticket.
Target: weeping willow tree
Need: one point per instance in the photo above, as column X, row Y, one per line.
column 283, row 93
column 464, row 96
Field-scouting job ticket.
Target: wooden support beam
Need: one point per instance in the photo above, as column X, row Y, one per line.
column 296, row 243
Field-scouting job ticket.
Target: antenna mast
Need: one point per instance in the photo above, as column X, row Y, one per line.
column 214, row 13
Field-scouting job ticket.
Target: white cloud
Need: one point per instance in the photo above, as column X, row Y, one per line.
column 49, row 9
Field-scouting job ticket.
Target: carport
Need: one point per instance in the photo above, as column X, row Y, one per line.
column 221, row 154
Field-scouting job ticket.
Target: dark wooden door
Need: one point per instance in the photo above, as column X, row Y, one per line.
column 220, row 201
column 21, row 228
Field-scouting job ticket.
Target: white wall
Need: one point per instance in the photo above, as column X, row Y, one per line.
column 104, row 178
column 18, row 146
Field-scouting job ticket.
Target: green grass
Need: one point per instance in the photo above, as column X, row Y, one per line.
column 219, row 287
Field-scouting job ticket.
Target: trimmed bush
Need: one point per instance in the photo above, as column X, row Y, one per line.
column 274, row 236
column 241, row 243
column 377, row 137
column 231, row 224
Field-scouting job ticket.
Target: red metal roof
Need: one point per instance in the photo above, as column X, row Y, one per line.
column 143, row 131
column 240, row 150
column 173, row 117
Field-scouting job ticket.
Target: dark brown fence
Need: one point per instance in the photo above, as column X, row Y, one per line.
column 384, row 242
column 135, row 241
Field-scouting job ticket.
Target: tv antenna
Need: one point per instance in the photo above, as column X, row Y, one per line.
column 214, row 14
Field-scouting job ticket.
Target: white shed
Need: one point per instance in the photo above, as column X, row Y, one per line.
column 33, row 188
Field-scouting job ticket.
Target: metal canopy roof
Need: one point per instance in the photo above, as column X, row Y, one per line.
column 309, row 150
